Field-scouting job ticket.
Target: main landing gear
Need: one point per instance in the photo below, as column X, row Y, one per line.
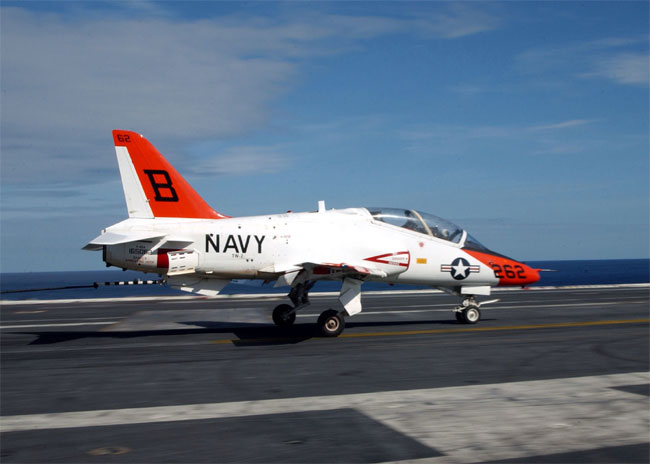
column 284, row 315
column 330, row 322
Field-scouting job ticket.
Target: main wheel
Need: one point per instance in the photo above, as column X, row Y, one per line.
column 283, row 315
column 471, row 315
column 331, row 323
column 459, row 317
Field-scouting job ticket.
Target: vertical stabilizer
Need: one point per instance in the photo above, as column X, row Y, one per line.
column 152, row 187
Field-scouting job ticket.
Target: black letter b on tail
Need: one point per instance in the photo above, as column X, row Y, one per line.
column 161, row 187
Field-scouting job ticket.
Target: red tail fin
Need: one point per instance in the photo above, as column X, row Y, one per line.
column 152, row 187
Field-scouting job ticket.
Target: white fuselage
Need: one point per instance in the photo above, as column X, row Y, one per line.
column 265, row 247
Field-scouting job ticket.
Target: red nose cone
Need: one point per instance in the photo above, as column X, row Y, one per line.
column 532, row 273
column 508, row 271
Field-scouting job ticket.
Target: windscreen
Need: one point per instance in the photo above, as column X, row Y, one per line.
column 472, row 243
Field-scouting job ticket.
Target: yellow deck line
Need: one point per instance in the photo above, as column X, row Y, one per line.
column 449, row 331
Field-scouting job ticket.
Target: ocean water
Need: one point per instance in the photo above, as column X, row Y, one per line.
column 52, row 285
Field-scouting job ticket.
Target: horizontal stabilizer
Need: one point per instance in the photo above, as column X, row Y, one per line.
column 112, row 238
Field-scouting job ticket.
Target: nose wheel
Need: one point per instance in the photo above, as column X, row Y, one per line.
column 468, row 315
column 469, row 312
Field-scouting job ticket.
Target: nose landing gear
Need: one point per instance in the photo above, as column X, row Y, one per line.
column 468, row 312
column 468, row 315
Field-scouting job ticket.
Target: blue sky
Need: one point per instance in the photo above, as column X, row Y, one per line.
column 524, row 122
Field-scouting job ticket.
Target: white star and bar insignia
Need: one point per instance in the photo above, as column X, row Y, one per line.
column 460, row 268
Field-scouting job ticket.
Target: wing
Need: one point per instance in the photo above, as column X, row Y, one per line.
column 327, row 271
column 380, row 266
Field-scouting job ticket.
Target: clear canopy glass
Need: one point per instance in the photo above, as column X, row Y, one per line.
column 423, row 223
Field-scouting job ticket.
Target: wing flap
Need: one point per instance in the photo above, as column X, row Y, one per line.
column 198, row 284
column 336, row 269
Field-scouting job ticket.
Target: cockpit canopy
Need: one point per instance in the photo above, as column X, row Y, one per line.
column 424, row 223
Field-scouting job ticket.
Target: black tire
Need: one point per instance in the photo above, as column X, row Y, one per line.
column 282, row 315
column 471, row 315
column 459, row 317
column 331, row 323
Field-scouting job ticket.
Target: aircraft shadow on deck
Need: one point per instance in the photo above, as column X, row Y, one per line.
column 247, row 334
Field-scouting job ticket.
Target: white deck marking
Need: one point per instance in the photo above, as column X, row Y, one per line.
column 468, row 423
column 58, row 319
column 67, row 324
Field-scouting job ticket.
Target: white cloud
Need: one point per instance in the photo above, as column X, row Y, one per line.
column 69, row 78
column 554, row 148
column 65, row 86
column 459, row 21
column 561, row 125
column 624, row 68
column 614, row 58
column 554, row 138
column 242, row 160
column 171, row 77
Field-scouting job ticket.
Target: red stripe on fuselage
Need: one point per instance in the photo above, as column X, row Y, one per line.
column 385, row 259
